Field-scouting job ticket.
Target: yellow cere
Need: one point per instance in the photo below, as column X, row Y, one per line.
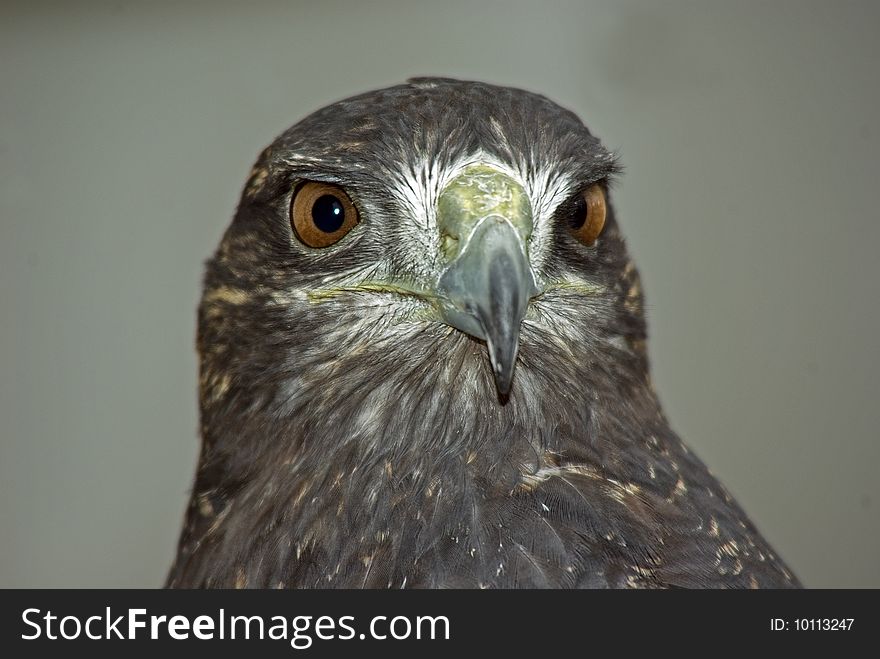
column 478, row 192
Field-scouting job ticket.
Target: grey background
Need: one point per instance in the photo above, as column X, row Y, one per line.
column 749, row 135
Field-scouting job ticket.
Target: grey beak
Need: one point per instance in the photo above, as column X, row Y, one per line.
column 486, row 290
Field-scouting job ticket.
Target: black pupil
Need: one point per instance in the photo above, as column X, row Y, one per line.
column 579, row 213
column 328, row 213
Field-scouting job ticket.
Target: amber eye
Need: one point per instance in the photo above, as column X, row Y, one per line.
column 321, row 214
column 589, row 215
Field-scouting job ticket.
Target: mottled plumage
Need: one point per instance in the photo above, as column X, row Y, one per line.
column 353, row 438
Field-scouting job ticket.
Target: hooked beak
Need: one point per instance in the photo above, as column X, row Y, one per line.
column 486, row 287
column 486, row 291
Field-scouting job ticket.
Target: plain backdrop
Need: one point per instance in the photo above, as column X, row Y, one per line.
column 749, row 135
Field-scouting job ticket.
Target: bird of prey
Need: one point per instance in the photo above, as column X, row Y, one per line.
column 423, row 364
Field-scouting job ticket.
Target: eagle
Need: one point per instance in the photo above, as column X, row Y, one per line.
column 423, row 365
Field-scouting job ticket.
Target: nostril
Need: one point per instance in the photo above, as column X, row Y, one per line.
column 449, row 244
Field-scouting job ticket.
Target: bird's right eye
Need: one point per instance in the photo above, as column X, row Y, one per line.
column 321, row 214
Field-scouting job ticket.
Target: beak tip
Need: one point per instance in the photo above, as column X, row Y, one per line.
column 503, row 365
column 503, row 382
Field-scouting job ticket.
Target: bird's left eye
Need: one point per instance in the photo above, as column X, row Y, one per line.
column 321, row 214
column 588, row 217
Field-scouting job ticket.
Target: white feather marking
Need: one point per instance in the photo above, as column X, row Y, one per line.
column 418, row 188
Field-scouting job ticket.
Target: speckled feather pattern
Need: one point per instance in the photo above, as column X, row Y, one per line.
column 350, row 439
